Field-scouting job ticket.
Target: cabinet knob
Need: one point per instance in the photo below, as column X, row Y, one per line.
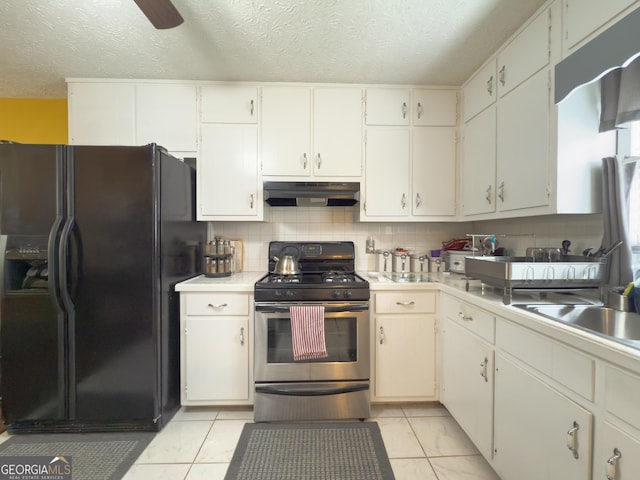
column 488, row 197
column 419, row 110
column 406, row 304
column 381, row 335
column 251, row 108
column 501, row 75
column 418, row 200
column 490, row 85
column 465, row 317
column 319, row 161
column 483, row 369
column 242, row 336
column 304, row 161
column 403, row 201
column 501, row 192
column 572, row 439
column 251, row 200
column 612, row 465
column 404, row 109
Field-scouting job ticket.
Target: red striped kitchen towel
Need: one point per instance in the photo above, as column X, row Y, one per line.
column 307, row 332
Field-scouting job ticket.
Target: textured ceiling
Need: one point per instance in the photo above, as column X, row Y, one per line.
column 432, row 42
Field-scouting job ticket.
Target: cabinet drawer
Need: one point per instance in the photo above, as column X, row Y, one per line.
column 622, row 395
column 217, row 304
column 480, row 322
column 567, row 366
column 406, row 302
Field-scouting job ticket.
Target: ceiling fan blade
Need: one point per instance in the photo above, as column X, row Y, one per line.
column 161, row 13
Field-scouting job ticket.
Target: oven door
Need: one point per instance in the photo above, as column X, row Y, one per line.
column 346, row 328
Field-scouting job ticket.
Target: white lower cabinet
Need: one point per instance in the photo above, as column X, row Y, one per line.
column 539, row 433
column 404, row 346
column 467, row 382
column 216, row 349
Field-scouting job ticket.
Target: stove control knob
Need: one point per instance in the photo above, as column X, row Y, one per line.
column 277, row 293
column 289, row 294
column 347, row 294
column 335, row 294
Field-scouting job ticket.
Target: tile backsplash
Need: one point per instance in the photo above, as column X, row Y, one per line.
column 340, row 223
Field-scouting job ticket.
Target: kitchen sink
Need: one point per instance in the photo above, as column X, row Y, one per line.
column 622, row 327
column 407, row 277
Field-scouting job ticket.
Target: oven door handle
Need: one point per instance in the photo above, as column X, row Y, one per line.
column 327, row 309
column 310, row 393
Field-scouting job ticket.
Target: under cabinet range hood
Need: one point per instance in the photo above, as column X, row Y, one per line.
column 311, row 194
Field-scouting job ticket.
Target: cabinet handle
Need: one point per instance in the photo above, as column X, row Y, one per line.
column 419, row 109
column 501, row 75
column 251, row 108
column 406, row 304
column 418, row 200
column 304, row 163
column 465, row 317
column 572, row 439
column 404, row 109
column 251, row 200
column 501, row 192
column 612, row 465
column 242, row 336
column 483, row 369
column 403, row 201
column 319, row 161
column 490, row 85
column 217, row 305
column 381, row 336
column 488, row 197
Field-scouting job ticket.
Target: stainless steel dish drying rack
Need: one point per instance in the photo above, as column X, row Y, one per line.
column 567, row 273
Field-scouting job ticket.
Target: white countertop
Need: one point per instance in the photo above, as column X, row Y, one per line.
column 237, row 282
column 487, row 298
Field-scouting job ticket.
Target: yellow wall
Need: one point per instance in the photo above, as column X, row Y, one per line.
column 34, row 120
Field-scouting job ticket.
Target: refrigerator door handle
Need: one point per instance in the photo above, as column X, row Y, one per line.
column 53, row 248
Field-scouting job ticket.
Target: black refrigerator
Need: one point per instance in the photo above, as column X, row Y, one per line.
column 93, row 240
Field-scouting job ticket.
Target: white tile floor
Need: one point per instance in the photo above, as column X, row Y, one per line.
column 423, row 443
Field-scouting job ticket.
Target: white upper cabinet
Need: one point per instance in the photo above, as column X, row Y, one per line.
column 229, row 104
column 102, row 113
column 526, row 54
column 480, row 91
column 337, row 132
column 433, row 107
column 286, row 131
column 122, row 113
column 166, row 114
column 584, row 18
column 311, row 132
column 388, row 106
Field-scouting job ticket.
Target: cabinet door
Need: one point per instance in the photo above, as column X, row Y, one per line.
column 217, row 358
column 387, row 172
column 584, row 17
column 228, row 172
column 286, row 124
column 523, row 145
column 405, row 356
column 480, row 91
column 337, row 132
column 434, row 107
column 434, row 171
column 101, row 114
column 615, row 441
column 167, row 115
column 532, row 428
column 467, row 383
column 527, row 53
column 387, row 106
column 478, row 173
column 229, row 104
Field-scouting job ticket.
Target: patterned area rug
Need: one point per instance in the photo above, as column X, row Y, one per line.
column 94, row 456
column 310, row 451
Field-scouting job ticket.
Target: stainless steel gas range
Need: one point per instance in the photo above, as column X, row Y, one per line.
column 332, row 383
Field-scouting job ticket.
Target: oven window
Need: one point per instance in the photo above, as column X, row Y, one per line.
column 340, row 334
